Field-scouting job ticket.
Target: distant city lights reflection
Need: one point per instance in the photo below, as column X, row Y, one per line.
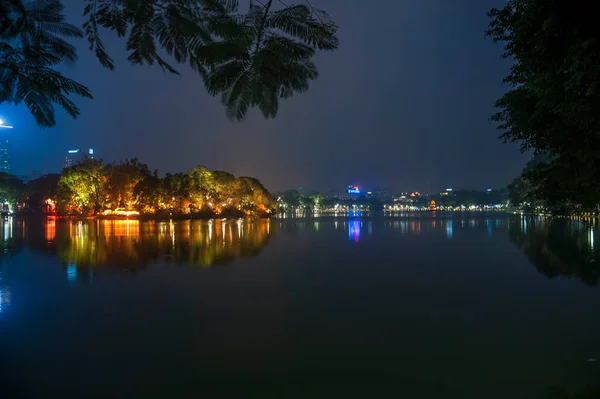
column 354, row 230
column 71, row 273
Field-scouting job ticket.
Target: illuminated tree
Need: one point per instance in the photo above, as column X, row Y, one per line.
column 226, row 187
column 82, row 188
column 202, row 187
column 151, row 195
column 122, row 181
column 177, row 190
column 254, row 198
column 11, row 189
column 316, row 200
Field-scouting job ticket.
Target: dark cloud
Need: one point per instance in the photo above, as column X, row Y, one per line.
column 403, row 103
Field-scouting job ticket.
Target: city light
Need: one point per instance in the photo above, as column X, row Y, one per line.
column 73, row 151
column 3, row 126
column 353, row 190
column 120, row 212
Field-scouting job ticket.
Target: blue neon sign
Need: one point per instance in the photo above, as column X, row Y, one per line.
column 353, row 190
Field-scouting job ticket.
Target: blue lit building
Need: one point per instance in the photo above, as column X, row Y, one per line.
column 76, row 155
column 5, row 158
column 73, row 156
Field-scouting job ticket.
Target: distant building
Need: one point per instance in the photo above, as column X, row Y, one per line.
column 5, row 158
column 73, row 156
column 76, row 155
column 380, row 195
column 353, row 192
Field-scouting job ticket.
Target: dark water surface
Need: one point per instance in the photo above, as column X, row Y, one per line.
column 478, row 306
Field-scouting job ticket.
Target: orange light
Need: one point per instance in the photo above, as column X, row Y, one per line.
column 120, row 212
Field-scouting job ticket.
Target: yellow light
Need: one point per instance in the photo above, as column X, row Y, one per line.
column 120, row 212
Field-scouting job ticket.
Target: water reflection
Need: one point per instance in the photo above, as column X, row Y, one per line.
column 131, row 244
column 354, row 230
column 558, row 247
column 4, row 295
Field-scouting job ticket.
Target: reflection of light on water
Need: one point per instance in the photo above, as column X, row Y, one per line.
column 4, row 298
column 223, row 232
column 524, row 224
column 172, row 227
column 354, row 231
column 449, row 229
column 316, row 224
column 117, row 228
column 239, row 227
column 50, row 232
column 591, row 237
column 199, row 242
column 335, row 224
column 489, row 227
column 8, row 228
column 71, row 272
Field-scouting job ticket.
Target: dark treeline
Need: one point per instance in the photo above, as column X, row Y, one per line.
column 293, row 200
column 468, row 198
column 551, row 108
column 128, row 188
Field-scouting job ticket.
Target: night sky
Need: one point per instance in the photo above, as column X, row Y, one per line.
column 403, row 104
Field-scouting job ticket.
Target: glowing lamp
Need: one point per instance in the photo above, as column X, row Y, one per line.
column 3, row 126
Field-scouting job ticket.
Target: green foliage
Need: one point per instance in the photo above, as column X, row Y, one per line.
column 254, row 197
column 11, row 189
column 525, row 191
column 179, row 28
column 149, row 192
column 90, row 187
column 202, row 186
column 122, row 180
column 552, row 105
column 269, row 58
column 82, row 188
column 251, row 59
column 32, row 45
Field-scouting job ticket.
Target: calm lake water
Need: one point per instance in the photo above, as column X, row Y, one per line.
column 463, row 306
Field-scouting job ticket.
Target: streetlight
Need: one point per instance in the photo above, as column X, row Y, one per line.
column 3, row 126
